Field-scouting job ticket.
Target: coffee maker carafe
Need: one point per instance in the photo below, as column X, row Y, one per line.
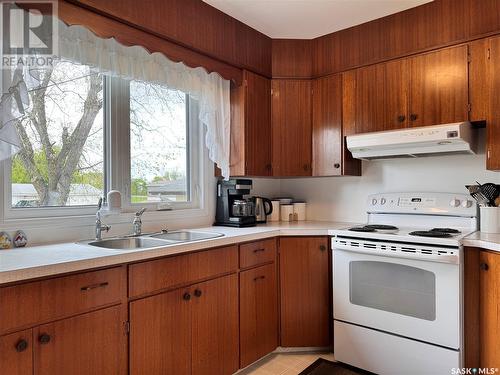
column 233, row 209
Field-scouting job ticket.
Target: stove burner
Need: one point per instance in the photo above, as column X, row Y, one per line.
column 430, row 233
column 381, row 227
column 445, row 230
column 361, row 229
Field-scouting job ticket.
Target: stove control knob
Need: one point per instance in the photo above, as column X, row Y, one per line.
column 382, row 201
column 374, row 201
column 455, row 202
column 467, row 204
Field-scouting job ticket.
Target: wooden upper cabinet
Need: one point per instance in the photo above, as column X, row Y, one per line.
column 493, row 125
column 251, row 127
column 93, row 343
column 305, row 291
column 439, row 87
column 291, row 127
column 16, row 353
column 329, row 154
column 378, row 97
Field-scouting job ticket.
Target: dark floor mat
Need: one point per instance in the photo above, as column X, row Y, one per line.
column 323, row 367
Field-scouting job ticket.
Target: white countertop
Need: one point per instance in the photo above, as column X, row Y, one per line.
column 40, row 261
column 488, row 241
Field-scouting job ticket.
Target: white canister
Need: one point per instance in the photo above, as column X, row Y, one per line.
column 490, row 219
column 286, row 212
column 275, row 215
column 299, row 211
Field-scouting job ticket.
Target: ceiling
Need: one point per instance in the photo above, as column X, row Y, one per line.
column 307, row 19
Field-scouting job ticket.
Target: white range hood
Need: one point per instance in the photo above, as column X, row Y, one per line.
column 457, row 138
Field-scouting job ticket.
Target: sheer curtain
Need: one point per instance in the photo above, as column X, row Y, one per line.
column 80, row 45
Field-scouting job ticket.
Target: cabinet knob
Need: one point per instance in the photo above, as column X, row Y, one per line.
column 44, row 338
column 21, row 345
column 401, row 118
column 197, row 293
column 186, row 296
column 484, row 266
column 336, row 165
column 306, row 167
column 322, row 247
column 413, row 117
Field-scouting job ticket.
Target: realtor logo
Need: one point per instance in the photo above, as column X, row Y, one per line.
column 29, row 31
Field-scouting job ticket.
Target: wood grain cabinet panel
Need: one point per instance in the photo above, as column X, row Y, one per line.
column 489, row 309
column 154, row 275
column 493, row 125
column 16, row 353
column 304, row 291
column 214, row 334
column 93, row 343
column 160, row 334
column 251, row 127
column 257, row 252
column 59, row 297
column 291, row 127
column 439, row 87
column 479, row 80
column 258, row 313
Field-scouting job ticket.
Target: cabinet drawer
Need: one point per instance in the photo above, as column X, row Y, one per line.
column 165, row 273
column 40, row 301
column 257, row 252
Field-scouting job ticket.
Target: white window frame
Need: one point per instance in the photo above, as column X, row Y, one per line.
column 117, row 172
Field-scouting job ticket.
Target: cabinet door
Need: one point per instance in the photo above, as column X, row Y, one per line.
column 160, row 334
column 489, row 309
column 493, row 126
column 291, row 127
column 251, row 126
column 16, row 353
column 439, row 87
column 305, row 291
column 93, row 343
column 258, row 313
column 214, row 338
column 379, row 97
column 327, row 140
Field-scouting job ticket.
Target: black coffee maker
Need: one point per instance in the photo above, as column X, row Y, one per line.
column 233, row 210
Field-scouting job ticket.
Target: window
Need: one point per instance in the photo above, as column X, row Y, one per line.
column 158, row 144
column 86, row 133
column 62, row 158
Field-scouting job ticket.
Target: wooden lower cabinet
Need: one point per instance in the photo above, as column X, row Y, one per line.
column 93, row 343
column 258, row 313
column 16, row 353
column 193, row 330
column 482, row 308
column 304, row 291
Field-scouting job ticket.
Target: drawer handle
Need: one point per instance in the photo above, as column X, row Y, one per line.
column 44, row 338
column 259, row 278
column 21, row 345
column 94, row 286
column 259, row 250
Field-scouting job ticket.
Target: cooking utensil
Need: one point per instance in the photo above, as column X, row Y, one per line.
column 491, row 192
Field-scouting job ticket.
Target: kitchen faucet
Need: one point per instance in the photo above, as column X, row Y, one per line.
column 137, row 223
column 99, row 226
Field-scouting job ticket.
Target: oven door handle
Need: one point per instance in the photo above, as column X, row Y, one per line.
column 450, row 259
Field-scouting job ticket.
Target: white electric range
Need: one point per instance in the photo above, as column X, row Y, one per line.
column 397, row 284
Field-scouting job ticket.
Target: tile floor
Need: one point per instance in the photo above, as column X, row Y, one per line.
column 285, row 363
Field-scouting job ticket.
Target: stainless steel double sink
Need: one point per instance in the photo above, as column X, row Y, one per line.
column 154, row 240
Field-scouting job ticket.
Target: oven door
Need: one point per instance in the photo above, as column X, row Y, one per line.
column 414, row 298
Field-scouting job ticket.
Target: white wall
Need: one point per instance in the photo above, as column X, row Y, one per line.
column 344, row 198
